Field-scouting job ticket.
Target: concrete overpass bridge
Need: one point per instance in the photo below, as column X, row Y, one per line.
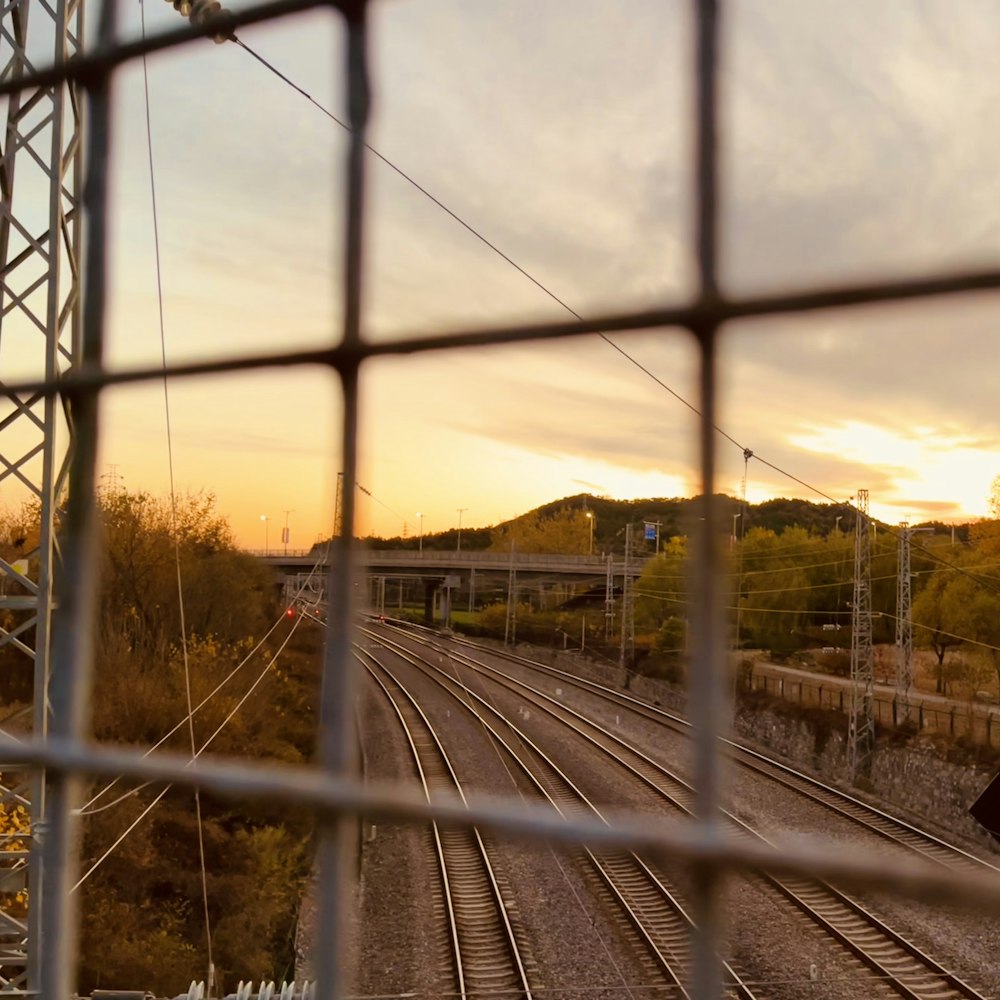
column 394, row 578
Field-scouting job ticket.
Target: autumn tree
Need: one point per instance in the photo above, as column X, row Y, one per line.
column 142, row 913
column 565, row 531
column 935, row 625
column 661, row 591
column 227, row 594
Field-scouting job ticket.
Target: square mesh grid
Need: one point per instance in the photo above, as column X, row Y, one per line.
column 329, row 787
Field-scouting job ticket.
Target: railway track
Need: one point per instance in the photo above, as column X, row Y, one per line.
column 645, row 903
column 889, row 955
column 865, row 815
column 484, row 955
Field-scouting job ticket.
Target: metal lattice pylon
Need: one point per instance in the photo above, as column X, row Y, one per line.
column 904, row 624
column 627, row 647
column 861, row 730
column 40, row 234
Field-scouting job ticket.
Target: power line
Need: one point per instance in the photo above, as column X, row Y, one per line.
column 87, row 809
column 748, row 453
column 260, row 677
column 173, row 505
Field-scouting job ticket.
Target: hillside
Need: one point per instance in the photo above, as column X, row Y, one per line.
column 675, row 516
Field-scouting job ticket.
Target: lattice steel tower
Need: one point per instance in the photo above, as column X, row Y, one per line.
column 40, row 240
column 627, row 647
column 861, row 731
column 904, row 623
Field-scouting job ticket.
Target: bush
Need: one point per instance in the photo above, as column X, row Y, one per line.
column 837, row 663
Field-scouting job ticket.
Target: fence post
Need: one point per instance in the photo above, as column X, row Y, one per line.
column 921, row 713
column 952, row 723
column 894, row 712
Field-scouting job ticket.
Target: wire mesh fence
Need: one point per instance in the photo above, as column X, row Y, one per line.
column 64, row 754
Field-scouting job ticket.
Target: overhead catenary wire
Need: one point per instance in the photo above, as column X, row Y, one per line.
column 747, row 452
column 198, row 752
column 541, row 286
column 87, row 809
column 173, row 507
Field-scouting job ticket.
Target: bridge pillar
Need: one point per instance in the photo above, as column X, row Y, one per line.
column 430, row 586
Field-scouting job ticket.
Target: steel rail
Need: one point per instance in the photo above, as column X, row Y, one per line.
column 909, row 970
column 870, row 817
column 485, row 952
column 650, row 906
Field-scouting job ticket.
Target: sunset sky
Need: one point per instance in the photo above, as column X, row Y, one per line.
column 858, row 142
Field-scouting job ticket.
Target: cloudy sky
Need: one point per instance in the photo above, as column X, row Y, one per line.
column 858, row 140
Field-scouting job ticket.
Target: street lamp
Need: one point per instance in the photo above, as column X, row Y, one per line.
column 285, row 535
column 420, row 545
column 732, row 538
column 265, row 519
column 590, row 517
column 461, row 510
column 836, row 523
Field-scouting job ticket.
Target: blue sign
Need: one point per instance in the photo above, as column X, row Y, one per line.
column 650, row 535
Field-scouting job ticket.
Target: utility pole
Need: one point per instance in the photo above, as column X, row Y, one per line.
column 861, row 730
column 609, row 599
column 904, row 620
column 904, row 626
column 285, row 534
column 461, row 511
column 627, row 646
column 113, row 479
column 41, row 336
column 338, row 506
column 510, row 624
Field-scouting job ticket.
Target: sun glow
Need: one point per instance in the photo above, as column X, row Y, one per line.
column 927, row 473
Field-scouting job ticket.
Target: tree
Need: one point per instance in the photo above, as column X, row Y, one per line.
column 775, row 588
column 227, row 593
column 140, row 924
column 563, row 531
column 661, row 592
column 993, row 500
column 934, row 624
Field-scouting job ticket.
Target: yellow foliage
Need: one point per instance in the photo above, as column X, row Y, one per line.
column 15, row 830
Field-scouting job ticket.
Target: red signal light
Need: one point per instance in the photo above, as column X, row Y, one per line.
column 290, row 613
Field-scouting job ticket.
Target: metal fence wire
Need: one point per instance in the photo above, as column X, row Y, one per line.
column 329, row 787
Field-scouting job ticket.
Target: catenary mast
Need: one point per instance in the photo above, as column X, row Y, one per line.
column 40, row 324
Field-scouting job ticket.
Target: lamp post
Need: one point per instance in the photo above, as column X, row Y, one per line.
column 285, row 535
column 461, row 511
column 267, row 547
column 590, row 517
column 732, row 537
column 836, row 523
column 420, row 543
